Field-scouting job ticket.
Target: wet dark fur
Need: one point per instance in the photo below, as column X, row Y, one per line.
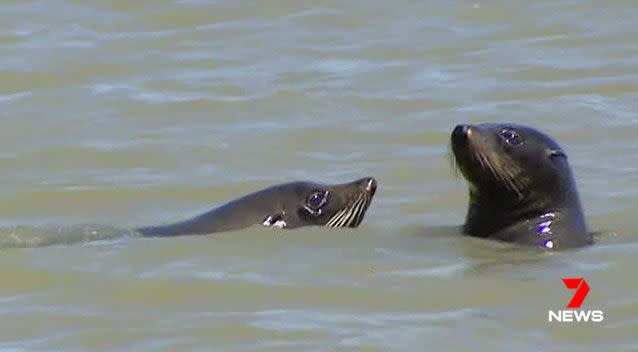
column 347, row 202
column 518, row 193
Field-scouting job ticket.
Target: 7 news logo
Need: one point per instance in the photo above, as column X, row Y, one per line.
column 573, row 315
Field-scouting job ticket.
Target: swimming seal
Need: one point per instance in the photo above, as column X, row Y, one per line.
column 521, row 188
column 288, row 205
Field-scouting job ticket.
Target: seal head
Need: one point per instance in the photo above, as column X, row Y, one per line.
column 521, row 188
column 288, row 205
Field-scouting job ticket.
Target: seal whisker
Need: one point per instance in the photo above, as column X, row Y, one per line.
column 351, row 211
column 491, row 164
column 487, row 163
column 340, row 218
column 333, row 221
column 502, row 173
column 345, row 218
column 454, row 164
column 366, row 204
column 501, row 170
column 508, row 177
column 335, row 218
column 362, row 209
column 356, row 211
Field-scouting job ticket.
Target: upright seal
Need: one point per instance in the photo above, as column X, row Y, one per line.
column 521, row 188
column 288, row 205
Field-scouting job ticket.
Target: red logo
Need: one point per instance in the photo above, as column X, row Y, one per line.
column 582, row 289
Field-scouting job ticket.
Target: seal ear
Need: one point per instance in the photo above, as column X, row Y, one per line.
column 554, row 153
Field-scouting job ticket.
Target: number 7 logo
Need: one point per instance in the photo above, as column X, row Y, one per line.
column 582, row 289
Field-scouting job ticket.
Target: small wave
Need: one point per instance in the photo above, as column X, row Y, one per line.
column 181, row 269
column 15, row 96
column 437, row 271
column 337, row 66
column 31, row 236
column 340, row 322
column 164, row 97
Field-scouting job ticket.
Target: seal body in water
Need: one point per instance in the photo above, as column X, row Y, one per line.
column 288, row 205
column 521, row 188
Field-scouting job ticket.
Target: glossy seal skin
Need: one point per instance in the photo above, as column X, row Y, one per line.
column 288, row 205
column 521, row 188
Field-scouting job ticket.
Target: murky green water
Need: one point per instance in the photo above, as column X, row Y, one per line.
column 132, row 113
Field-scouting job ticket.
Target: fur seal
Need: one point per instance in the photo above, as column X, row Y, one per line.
column 288, row 205
column 521, row 188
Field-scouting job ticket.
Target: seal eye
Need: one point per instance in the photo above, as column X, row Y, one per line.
column 316, row 200
column 511, row 137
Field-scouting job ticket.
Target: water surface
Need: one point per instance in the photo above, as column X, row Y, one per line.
column 119, row 114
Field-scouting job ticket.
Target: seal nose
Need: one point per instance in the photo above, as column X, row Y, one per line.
column 461, row 133
column 370, row 185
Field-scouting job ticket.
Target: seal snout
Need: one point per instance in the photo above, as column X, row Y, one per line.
column 461, row 141
column 461, row 133
column 370, row 185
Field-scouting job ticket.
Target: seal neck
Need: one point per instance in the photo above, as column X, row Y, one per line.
column 494, row 210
